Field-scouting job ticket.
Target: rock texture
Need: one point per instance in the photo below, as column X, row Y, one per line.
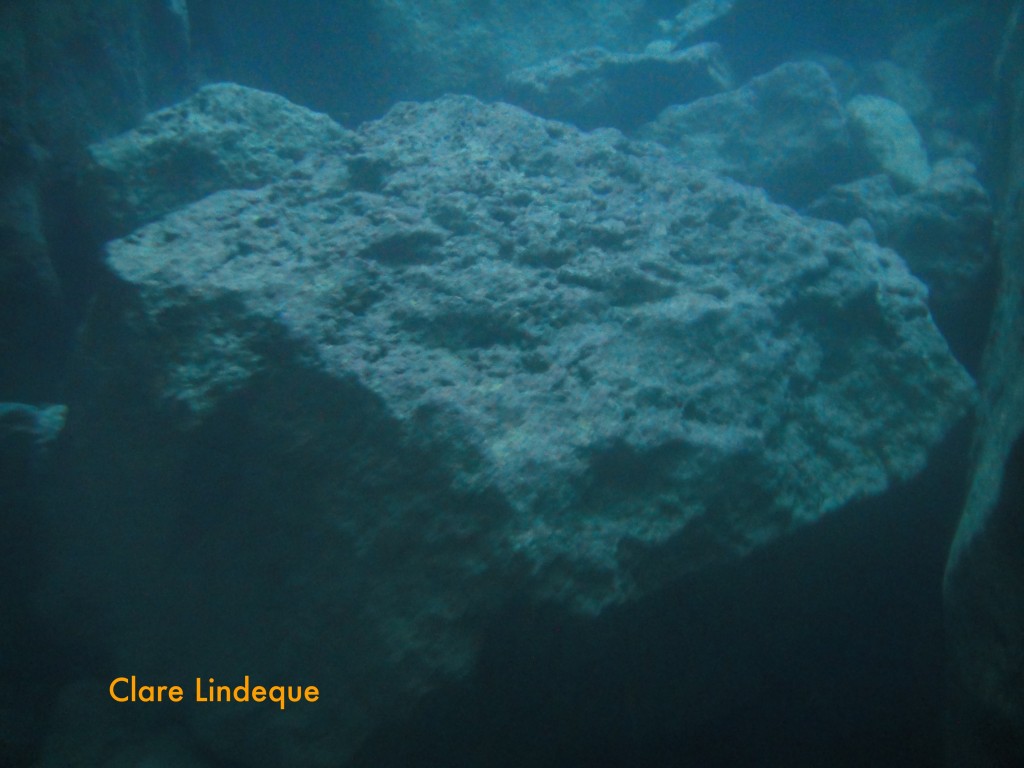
column 594, row 88
column 470, row 354
column 784, row 131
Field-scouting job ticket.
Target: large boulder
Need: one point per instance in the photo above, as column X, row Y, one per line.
column 472, row 356
column 784, row 131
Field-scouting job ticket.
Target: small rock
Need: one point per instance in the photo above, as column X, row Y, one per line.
column 886, row 136
column 944, row 229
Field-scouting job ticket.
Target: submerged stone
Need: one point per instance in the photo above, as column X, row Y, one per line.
column 593, row 88
column 471, row 355
column 883, row 131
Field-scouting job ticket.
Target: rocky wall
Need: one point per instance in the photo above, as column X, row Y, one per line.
column 984, row 584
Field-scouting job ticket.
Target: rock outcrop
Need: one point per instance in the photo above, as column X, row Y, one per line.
column 695, row 18
column 463, row 354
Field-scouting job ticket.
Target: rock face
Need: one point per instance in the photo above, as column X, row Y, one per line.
column 984, row 584
column 462, row 355
column 784, row 131
column 594, row 88
column 460, row 44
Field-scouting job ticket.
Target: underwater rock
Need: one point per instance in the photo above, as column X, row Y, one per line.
column 953, row 49
column 594, row 88
column 783, row 131
column 325, row 426
column 944, row 230
column 82, row 69
column 883, row 132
